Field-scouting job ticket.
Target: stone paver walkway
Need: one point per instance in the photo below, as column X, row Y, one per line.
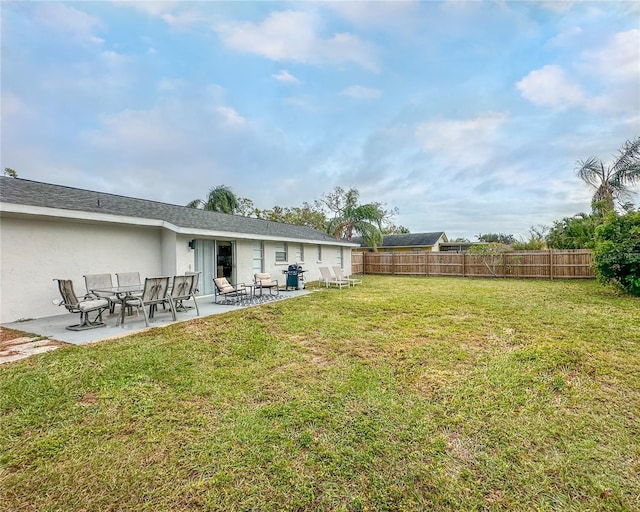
column 16, row 345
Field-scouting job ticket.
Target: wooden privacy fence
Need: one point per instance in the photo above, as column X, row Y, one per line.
column 551, row 264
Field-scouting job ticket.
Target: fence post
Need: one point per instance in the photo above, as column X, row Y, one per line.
column 551, row 264
column 464, row 264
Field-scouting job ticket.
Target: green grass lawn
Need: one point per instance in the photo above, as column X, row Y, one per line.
column 402, row 394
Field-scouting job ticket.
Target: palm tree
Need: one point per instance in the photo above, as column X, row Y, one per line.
column 612, row 183
column 220, row 199
column 365, row 219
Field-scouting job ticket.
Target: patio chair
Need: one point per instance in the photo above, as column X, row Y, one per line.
column 155, row 291
column 263, row 280
column 101, row 282
column 128, row 278
column 223, row 288
column 341, row 277
column 183, row 289
column 85, row 307
column 196, row 280
column 331, row 280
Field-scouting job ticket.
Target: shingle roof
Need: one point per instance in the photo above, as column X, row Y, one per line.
column 35, row 193
column 406, row 240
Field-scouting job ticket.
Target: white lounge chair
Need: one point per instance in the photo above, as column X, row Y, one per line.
column 340, row 276
column 332, row 280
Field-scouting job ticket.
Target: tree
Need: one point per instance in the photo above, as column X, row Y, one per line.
column 536, row 242
column 8, row 171
column 392, row 229
column 220, row 199
column 499, row 238
column 351, row 218
column 305, row 215
column 491, row 255
column 575, row 232
column 617, row 251
column 612, row 183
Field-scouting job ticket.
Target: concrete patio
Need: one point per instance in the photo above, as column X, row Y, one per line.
column 54, row 327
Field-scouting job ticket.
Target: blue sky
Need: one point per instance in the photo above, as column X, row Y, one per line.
column 468, row 117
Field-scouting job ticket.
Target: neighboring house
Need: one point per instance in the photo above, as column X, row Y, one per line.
column 406, row 242
column 458, row 246
column 51, row 231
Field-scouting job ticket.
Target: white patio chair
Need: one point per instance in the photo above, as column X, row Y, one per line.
column 331, row 280
column 341, row 277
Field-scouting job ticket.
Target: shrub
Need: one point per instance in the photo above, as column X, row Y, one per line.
column 617, row 251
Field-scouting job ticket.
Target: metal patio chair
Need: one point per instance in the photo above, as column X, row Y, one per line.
column 183, row 289
column 263, row 280
column 155, row 292
column 222, row 288
column 84, row 306
column 94, row 282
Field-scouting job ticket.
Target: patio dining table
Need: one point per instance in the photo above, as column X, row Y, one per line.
column 122, row 292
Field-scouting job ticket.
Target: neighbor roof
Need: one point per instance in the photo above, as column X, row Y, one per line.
column 34, row 193
column 406, row 240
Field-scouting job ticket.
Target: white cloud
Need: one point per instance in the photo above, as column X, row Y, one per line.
column 387, row 16
column 230, row 116
column 462, row 143
column 565, row 37
column 285, row 76
column 550, row 86
column 68, row 21
column 181, row 20
column 292, row 36
column 604, row 80
column 150, row 7
column 618, row 60
column 361, row 93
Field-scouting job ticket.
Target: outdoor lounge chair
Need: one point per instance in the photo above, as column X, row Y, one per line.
column 85, row 306
column 341, row 277
column 183, row 289
column 262, row 281
column 331, row 280
column 155, row 291
column 228, row 291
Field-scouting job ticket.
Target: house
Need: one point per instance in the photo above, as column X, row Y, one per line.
column 50, row 231
column 406, row 242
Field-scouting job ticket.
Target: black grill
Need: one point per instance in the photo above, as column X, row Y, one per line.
column 295, row 277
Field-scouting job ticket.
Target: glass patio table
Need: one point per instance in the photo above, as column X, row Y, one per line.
column 122, row 292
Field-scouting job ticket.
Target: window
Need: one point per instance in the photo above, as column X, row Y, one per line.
column 281, row 253
column 299, row 253
column 339, row 256
column 319, row 252
column 258, row 260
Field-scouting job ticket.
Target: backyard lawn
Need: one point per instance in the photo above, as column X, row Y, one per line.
column 402, row 394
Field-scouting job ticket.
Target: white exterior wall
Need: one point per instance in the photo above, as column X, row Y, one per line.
column 35, row 252
column 244, row 260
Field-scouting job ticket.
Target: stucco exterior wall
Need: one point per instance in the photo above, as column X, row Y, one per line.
column 34, row 252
